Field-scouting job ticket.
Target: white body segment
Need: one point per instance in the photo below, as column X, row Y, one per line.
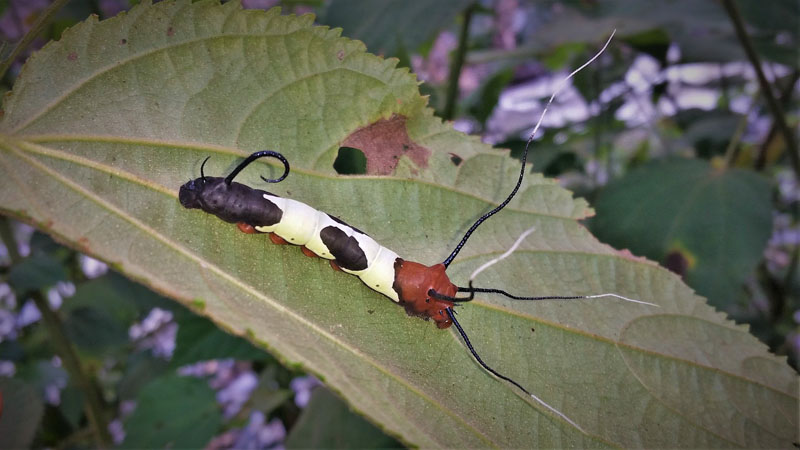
column 301, row 224
column 379, row 274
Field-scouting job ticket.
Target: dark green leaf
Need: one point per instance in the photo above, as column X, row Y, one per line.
column 327, row 422
column 112, row 294
column 267, row 400
column 268, row 396
column 98, row 316
column 717, row 221
column 140, row 369
column 72, row 405
column 21, row 412
column 174, row 412
column 381, row 25
column 36, row 273
column 781, row 15
column 200, row 340
column 94, row 331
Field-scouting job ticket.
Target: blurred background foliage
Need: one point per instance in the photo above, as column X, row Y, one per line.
column 682, row 135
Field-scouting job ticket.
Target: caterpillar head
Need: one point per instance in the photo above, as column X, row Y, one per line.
column 413, row 284
column 191, row 193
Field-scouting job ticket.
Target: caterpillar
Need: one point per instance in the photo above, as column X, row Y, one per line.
column 424, row 291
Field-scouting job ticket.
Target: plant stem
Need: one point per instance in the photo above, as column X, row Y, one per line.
column 95, row 406
column 772, row 102
column 786, row 95
column 732, row 151
column 7, row 237
column 457, row 64
column 36, row 29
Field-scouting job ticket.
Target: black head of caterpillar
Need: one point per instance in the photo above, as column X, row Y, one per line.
column 234, row 202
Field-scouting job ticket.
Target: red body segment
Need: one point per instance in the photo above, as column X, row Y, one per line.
column 246, row 228
column 277, row 239
column 413, row 282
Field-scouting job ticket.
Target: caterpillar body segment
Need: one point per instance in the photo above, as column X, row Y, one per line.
column 320, row 234
column 233, row 203
column 330, row 238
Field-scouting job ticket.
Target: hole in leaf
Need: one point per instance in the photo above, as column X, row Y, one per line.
column 350, row 161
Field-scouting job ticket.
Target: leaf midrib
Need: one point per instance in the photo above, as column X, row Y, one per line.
column 235, row 152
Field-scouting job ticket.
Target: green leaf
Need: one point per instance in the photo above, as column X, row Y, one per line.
column 96, row 332
column 714, row 223
column 267, row 397
column 175, row 412
column 36, row 272
column 72, row 405
column 140, row 370
column 388, row 26
column 199, row 340
column 327, row 422
column 96, row 155
column 683, row 21
column 98, row 316
column 22, row 410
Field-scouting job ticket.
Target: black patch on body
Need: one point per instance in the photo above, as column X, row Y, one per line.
column 338, row 220
column 232, row 203
column 344, row 248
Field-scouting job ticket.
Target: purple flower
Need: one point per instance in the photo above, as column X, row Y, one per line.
column 302, row 387
column 155, row 333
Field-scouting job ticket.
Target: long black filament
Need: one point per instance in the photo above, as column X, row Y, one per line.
column 473, row 290
column 202, row 166
column 255, row 156
column 524, row 157
column 463, row 334
column 477, row 223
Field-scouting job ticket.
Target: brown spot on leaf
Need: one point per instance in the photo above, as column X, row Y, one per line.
column 170, row 31
column 83, row 242
column 340, row 55
column 383, row 142
column 123, row 41
column 457, row 160
column 72, row 56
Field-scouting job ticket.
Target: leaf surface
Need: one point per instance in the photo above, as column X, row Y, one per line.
column 104, row 126
column 385, row 26
column 173, row 411
column 714, row 224
column 22, row 410
column 327, row 422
